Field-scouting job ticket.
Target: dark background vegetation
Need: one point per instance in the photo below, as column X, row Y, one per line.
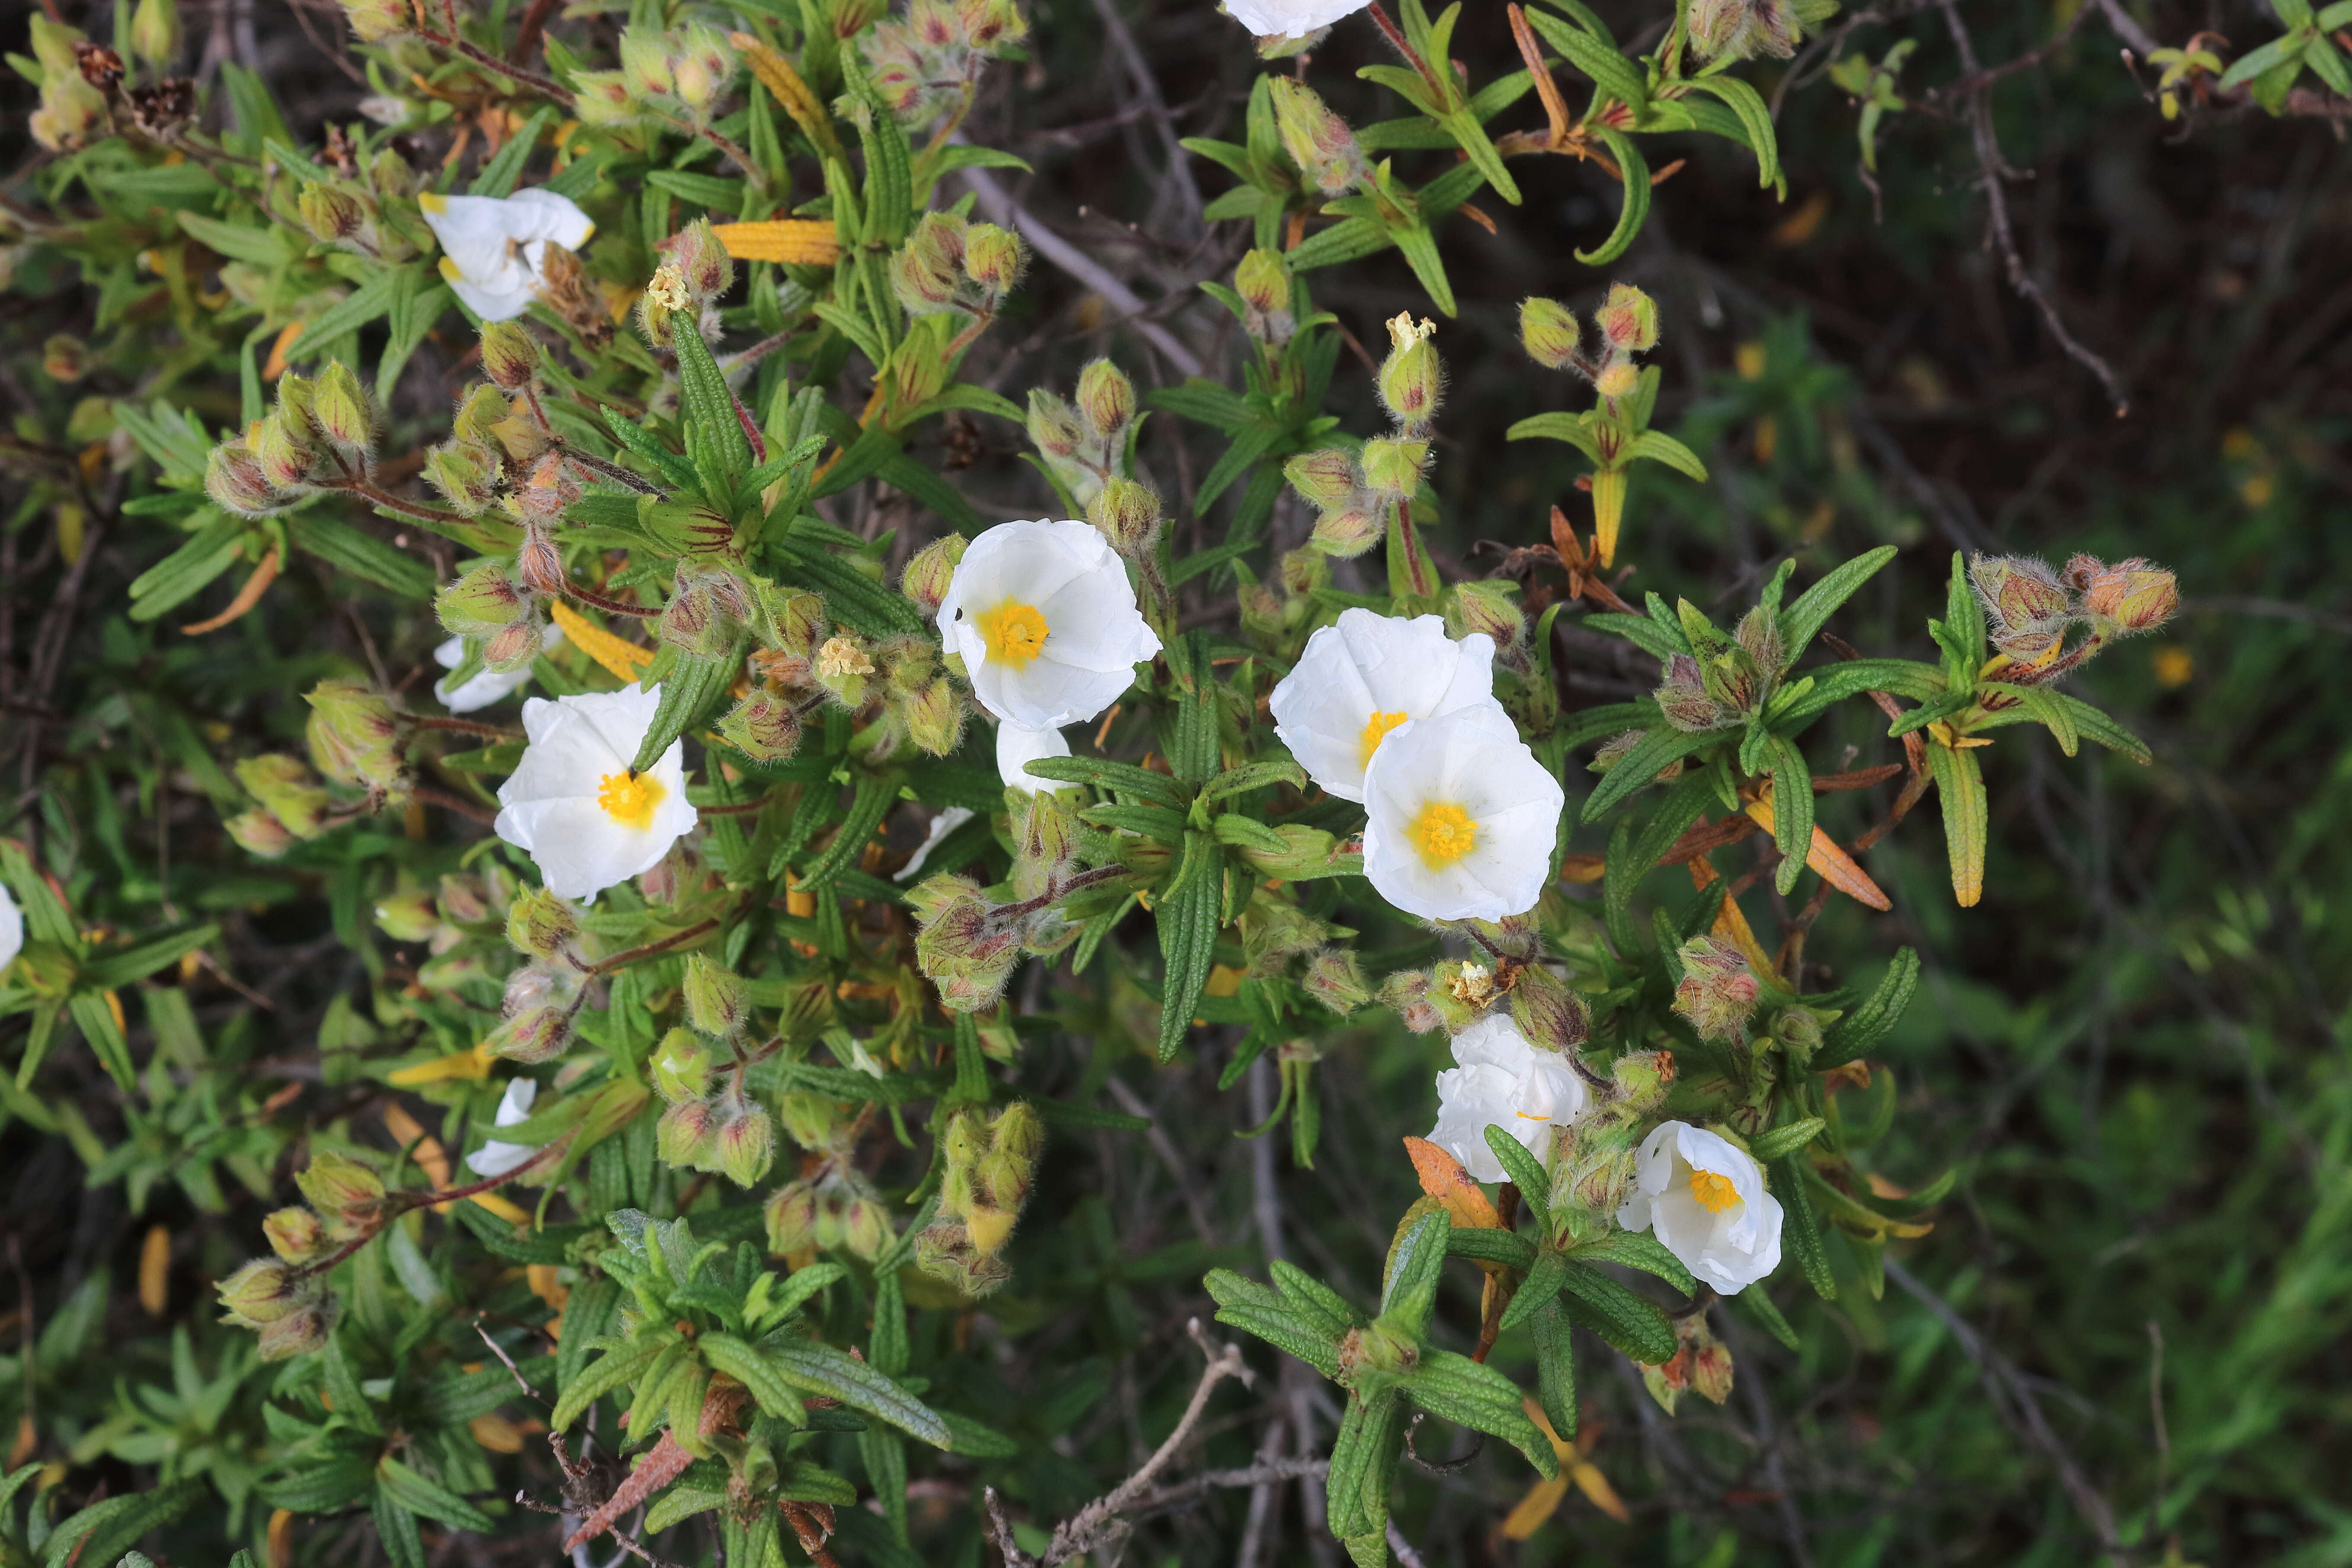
column 2125, row 1335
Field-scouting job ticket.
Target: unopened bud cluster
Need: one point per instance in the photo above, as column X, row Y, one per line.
column 372, row 212
column 921, row 65
column 678, row 75
column 1723, row 681
column 1627, row 324
column 950, row 263
column 991, row 1165
column 286, row 1296
column 713, row 1121
column 1355, row 495
column 321, row 434
column 1743, row 29
column 1083, row 444
column 1317, row 140
column 2029, row 608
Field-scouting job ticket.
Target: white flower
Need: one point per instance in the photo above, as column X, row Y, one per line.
column 486, row 686
column 1289, row 18
column 574, row 804
column 1505, row 1082
column 1044, row 619
column 1017, row 747
column 12, row 929
column 1703, row 1196
column 949, row 819
column 1461, row 821
column 494, row 1158
column 494, row 248
column 1361, row 678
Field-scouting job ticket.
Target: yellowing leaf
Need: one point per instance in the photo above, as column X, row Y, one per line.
column 810, row 241
column 1534, row 1508
column 1443, row 1178
column 1834, row 865
column 154, row 1270
column 624, row 658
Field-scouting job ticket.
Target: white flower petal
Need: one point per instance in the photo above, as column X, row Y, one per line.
column 12, row 928
column 1017, row 747
column 945, row 822
column 494, row 248
column 514, row 1105
column 550, row 805
column 496, row 1159
column 1368, row 664
column 1731, row 1248
column 1095, row 636
column 1503, row 1081
column 485, row 686
column 1460, row 759
column 1289, row 18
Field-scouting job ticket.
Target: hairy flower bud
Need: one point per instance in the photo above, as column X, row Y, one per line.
column 1263, row 280
column 332, row 213
column 926, row 274
column 1106, row 398
column 1547, row 1012
column 1324, row 478
column 1549, row 333
column 376, row 20
column 2026, row 606
column 1126, row 513
column 1346, row 532
column 1718, row 991
column 1317, row 140
column 1395, row 467
column 931, row 570
column 1491, row 605
column 701, row 68
column 260, row 833
column 156, row 31
column 2135, row 595
column 1744, row 29
column 407, row 914
column 1334, row 978
column 339, row 408
column 354, row 734
column 294, row 1235
column 686, row 1135
column 467, row 474
column 682, row 1067
column 1411, row 380
column 480, row 602
column 234, row 479
column 284, row 786
column 532, row 1035
column 1052, row 424
column 762, row 726
column 718, row 1000
column 346, row 1193
column 702, row 262
column 994, row 257
column 510, row 355
column 934, row 717
column 1618, row 379
column 1683, row 697
column 792, row 1218
column 1628, row 319
column 645, row 62
column 282, row 447
column 541, row 925
column 746, row 1145
column 261, row 1292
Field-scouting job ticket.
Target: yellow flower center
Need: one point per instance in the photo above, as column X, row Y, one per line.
column 1713, row 1190
column 1375, row 729
column 1444, row 833
column 629, row 798
column 1013, row 632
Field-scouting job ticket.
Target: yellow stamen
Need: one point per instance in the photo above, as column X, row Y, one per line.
column 1375, row 729
column 1444, row 833
column 630, row 798
column 1713, row 1190
column 1013, row 632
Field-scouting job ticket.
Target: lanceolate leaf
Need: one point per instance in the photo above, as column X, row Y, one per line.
column 1959, row 787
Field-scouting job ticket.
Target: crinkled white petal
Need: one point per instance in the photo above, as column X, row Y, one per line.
column 503, row 302
column 1460, row 759
column 1017, row 747
column 946, row 822
column 1095, row 636
column 485, row 686
column 494, row 1158
column 1503, row 1081
column 12, row 928
column 1368, row 664
column 494, row 248
column 548, row 806
column 1288, row 18
column 1730, row 1251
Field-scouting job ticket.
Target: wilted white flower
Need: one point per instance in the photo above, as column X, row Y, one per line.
column 1461, row 820
column 1289, row 18
column 1703, row 1196
column 1503, row 1081
column 1045, row 622
column 494, row 248
column 1360, row 680
column 574, row 803
column 494, row 1158
column 949, row 819
column 486, row 686
column 1017, row 747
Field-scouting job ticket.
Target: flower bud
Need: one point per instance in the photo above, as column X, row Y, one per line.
column 747, row 1146
column 1106, row 398
column 811, row 1119
column 331, row 213
column 1335, row 979
column 1126, row 513
column 682, row 1067
column 155, row 32
column 1618, row 379
column 2137, row 597
column 1406, row 994
column 1347, row 532
column 1744, row 29
column 261, row 1292
column 645, row 62
column 1547, row 1012
column 346, row 1193
column 865, row 1228
column 934, row 717
column 1395, row 467
column 294, row 1235
column 1263, row 280
column 1372, row 1354
column 792, row 1218
column 1491, row 605
column 541, row 925
column 375, row 20
column 1628, row 319
column 701, row 69
column 512, row 646
column 284, row 452
column 301, row 1332
column 992, row 256
column 1684, row 699
column 466, row 473
column 926, row 274
column 2026, row 606
column 718, row 1000
column 1317, row 140
column 1324, row 479
column 762, row 726
column 1549, row 333
column 339, row 408
column 701, row 260
column 407, row 915
column 284, row 786
column 532, row 1035
column 259, row 833
column 234, row 479
column 1052, row 424
column 1411, row 381
column 480, row 602
column 928, row 574
column 353, row 734
column 1718, row 991
column 686, row 1135
column 510, row 355
column 603, row 99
